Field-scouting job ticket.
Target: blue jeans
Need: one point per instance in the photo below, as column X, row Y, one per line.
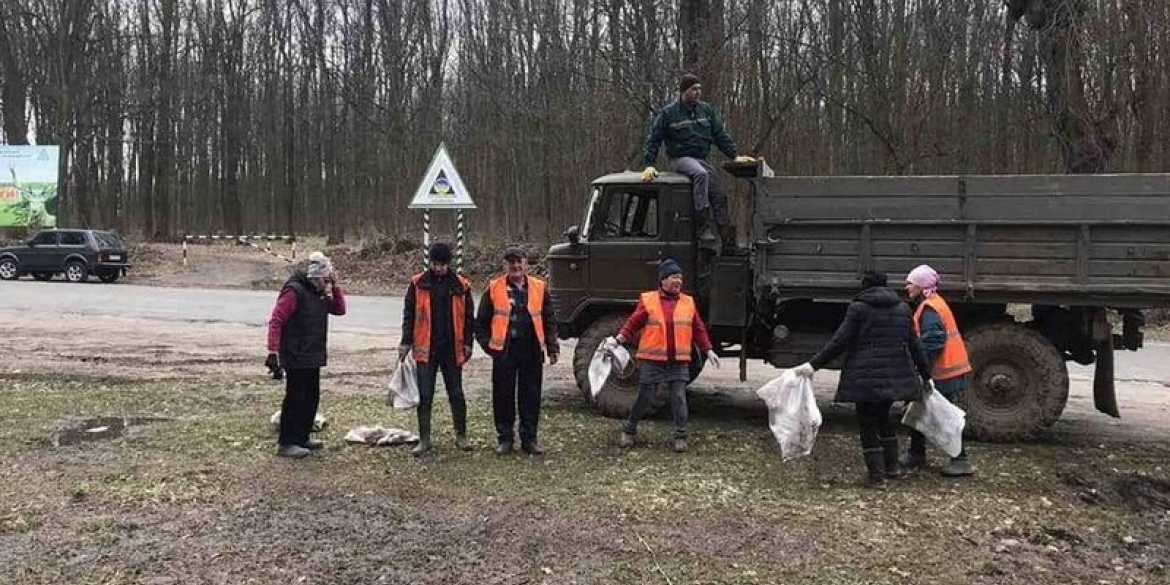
column 678, row 407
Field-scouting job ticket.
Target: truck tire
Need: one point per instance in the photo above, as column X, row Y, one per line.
column 617, row 398
column 1020, row 383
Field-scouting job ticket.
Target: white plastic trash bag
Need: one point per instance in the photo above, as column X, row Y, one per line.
column 404, row 385
column 938, row 419
column 380, row 436
column 602, row 364
column 793, row 415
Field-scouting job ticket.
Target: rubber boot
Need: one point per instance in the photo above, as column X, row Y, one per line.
column 459, row 415
column 875, row 466
column 960, row 466
column 424, row 434
column 727, row 238
column 915, row 456
column 708, row 239
column 890, row 457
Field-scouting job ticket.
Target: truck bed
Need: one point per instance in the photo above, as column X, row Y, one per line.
column 1051, row 239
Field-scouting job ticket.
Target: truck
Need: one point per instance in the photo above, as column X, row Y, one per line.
column 1039, row 270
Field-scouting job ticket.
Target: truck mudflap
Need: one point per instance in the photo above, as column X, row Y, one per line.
column 1104, row 390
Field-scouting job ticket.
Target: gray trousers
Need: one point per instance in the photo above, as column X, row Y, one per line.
column 705, row 186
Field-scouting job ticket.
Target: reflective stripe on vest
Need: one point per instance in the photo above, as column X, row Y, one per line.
column 421, row 349
column 502, row 310
column 953, row 361
column 653, row 344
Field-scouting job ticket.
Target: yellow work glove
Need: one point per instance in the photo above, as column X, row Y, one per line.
column 649, row 174
column 744, row 159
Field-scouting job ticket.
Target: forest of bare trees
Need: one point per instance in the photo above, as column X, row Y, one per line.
column 320, row 116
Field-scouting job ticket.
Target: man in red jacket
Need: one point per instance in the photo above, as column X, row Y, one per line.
column 670, row 324
column 297, row 332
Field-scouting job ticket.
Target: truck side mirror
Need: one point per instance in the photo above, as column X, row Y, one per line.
column 573, row 234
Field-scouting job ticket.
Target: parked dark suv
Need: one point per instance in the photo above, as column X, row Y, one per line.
column 75, row 253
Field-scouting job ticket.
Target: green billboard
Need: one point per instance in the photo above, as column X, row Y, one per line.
column 28, row 186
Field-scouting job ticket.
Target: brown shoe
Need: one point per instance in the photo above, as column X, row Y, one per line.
column 532, row 448
column 462, row 443
column 679, row 446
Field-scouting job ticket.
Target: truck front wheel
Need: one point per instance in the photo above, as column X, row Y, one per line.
column 1020, row 384
column 616, row 398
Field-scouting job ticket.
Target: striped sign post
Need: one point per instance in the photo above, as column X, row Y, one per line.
column 442, row 188
column 459, row 243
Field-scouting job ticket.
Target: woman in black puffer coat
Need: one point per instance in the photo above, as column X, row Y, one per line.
column 883, row 363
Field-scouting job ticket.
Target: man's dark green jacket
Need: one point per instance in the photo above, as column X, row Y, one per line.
column 688, row 131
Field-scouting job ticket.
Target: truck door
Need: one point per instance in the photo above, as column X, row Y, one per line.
column 626, row 240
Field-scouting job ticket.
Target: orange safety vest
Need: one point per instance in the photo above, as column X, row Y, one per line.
column 422, row 320
column 502, row 310
column 953, row 361
column 653, row 344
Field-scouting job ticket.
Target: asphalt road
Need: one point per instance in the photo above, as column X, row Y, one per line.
column 365, row 314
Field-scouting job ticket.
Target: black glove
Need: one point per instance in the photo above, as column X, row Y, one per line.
column 273, row 365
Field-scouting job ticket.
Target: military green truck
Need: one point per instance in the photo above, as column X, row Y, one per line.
column 1038, row 269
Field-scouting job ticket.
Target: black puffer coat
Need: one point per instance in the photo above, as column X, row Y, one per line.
column 883, row 360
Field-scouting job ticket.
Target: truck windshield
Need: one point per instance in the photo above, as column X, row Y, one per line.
column 593, row 197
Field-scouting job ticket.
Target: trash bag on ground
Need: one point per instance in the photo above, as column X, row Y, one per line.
column 602, row 364
column 379, row 436
column 793, row 415
column 404, row 385
column 938, row 419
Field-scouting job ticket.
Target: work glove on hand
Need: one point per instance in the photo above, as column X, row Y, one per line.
column 403, row 351
column 744, row 159
column 712, row 358
column 273, row 365
column 806, row 370
column 609, row 344
column 649, row 173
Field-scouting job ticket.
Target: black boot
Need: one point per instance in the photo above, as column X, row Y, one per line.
column 875, row 466
column 708, row 239
column 459, row 415
column 960, row 466
column 915, row 456
column 424, row 433
column 727, row 238
column 890, row 457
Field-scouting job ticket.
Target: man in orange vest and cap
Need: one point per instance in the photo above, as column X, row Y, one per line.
column 515, row 325
column 950, row 366
column 670, row 325
column 437, row 330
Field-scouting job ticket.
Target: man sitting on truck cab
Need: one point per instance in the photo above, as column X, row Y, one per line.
column 689, row 127
column 950, row 368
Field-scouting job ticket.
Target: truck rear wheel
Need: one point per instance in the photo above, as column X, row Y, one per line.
column 617, row 397
column 1020, row 383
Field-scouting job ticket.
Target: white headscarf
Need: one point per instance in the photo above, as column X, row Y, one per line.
column 320, row 266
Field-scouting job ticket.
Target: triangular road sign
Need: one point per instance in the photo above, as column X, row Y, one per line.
column 441, row 187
